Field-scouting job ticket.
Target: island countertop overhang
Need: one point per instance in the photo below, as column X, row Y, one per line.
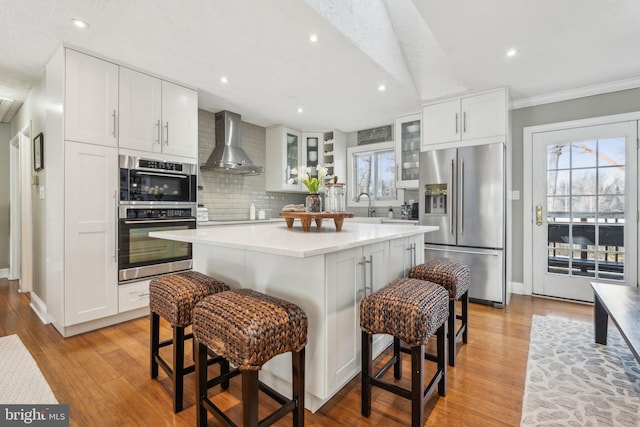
column 277, row 239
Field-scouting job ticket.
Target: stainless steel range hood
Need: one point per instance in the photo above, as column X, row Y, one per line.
column 228, row 156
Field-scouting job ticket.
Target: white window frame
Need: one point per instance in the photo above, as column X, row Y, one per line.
column 351, row 183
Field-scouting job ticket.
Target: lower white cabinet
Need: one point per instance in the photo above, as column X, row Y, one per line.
column 405, row 253
column 133, row 295
column 90, row 257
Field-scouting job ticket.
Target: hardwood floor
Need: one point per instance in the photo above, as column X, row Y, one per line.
column 104, row 375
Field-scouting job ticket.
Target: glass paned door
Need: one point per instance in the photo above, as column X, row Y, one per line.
column 584, row 200
column 292, row 150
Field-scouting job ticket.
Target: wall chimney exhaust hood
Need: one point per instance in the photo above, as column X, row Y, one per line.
column 228, row 156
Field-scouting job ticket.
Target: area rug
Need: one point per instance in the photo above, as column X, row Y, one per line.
column 572, row 381
column 21, row 381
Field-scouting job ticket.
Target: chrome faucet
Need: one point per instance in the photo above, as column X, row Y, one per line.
column 371, row 210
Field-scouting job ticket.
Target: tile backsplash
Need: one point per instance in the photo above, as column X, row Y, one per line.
column 229, row 196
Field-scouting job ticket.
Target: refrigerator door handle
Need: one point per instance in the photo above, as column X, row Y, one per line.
column 462, row 198
column 451, row 197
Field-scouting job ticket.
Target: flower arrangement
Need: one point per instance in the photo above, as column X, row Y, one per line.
column 312, row 183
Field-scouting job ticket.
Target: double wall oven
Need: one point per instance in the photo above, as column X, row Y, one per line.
column 155, row 195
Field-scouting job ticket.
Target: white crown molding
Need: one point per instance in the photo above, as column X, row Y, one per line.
column 582, row 92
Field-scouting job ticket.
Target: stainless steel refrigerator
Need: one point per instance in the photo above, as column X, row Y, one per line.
column 462, row 191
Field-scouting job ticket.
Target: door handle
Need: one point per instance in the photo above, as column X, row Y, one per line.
column 114, row 123
column 451, row 195
column 538, row 215
column 159, row 132
column 166, row 141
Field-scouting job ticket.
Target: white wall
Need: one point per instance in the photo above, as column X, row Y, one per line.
column 33, row 111
column 5, row 137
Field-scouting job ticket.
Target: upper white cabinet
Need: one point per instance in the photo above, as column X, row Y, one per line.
column 467, row 118
column 157, row 116
column 407, row 139
column 283, row 154
column 289, row 149
column 91, row 100
column 180, row 120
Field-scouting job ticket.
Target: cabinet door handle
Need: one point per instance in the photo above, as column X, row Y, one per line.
column 159, row 132
column 166, row 126
column 363, row 263
column 115, row 246
column 464, row 122
column 370, row 261
column 114, row 123
column 456, row 123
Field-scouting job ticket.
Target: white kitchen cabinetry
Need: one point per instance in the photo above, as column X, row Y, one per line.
column 91, row 100
column 133, row 295
column 157, row 116
column 467, row 118
column 405, row 253
column 407, row 139
column 288, row 149
column 90, row 250
column 334, row 155
column 283, row 154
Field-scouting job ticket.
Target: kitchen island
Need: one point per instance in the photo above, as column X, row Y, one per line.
column 326, row 273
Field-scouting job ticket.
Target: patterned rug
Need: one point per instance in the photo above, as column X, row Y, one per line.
column 21, row 381
column 572, row 381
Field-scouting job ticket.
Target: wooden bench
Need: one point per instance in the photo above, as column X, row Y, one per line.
column 622, row 304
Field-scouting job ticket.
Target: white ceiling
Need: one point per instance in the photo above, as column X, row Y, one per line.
column 420, row 49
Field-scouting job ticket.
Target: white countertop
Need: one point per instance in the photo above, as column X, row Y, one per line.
column 279, row 240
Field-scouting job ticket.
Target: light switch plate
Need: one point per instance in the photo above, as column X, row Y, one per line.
column 41, row 192
column 515, row 195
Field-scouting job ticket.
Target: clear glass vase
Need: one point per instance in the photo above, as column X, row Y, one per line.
column 313, row 203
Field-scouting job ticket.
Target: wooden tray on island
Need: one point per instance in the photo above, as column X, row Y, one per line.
column 306, row 218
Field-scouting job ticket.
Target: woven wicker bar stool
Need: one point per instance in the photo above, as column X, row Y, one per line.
column 173, row 298
column 410, row 310
column 249, row 328
column 455, row 278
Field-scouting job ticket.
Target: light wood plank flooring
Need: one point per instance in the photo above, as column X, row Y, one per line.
column 104, row 374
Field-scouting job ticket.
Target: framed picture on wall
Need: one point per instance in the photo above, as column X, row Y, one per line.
column 38, row 152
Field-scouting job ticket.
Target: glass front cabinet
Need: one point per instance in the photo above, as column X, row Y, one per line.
column 284, row 154
column 407, row 140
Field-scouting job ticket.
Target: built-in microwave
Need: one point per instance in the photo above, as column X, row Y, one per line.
column 151, row 181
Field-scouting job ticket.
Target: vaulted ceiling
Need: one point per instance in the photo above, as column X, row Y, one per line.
column 419, row 49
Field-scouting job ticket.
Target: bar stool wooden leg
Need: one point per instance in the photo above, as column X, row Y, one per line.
column 250, row 398
column 397, row 366
column 178, row 367
column 155, row 343
column 201, row 384
column 367, row 365
column 297, row 359
column 451, row 332
column 442, row 359
column 465, row 315
column 417, row 385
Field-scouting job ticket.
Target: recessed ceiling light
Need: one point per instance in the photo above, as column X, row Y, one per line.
column 300, row 110
column 224, row 80
column 382, row 88
column 313, row 38
column 512, row 52
column 80, row 23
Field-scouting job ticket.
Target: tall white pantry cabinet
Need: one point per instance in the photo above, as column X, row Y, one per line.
column 83, row 119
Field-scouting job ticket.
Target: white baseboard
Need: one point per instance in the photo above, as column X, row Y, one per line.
column 4, row 272
column 40, row 308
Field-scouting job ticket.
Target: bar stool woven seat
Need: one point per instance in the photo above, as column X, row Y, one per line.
column 248, row 328
column 456, row 279
column 410, row 310
column 173, row 297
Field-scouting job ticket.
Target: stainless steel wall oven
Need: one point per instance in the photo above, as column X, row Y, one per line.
column 141, row 256
column 149, row 182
